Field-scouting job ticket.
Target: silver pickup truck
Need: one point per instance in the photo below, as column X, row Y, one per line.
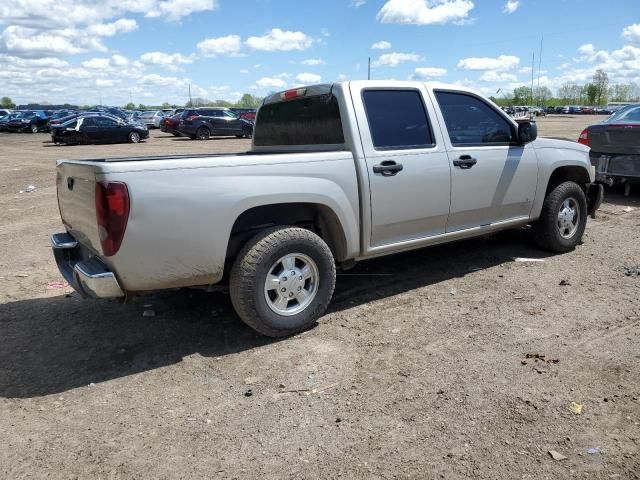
column 336, row 174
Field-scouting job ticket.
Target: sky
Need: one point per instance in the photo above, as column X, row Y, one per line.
column 150, row 51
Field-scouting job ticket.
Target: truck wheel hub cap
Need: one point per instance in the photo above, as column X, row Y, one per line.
column 291, row 284
column 568, row 218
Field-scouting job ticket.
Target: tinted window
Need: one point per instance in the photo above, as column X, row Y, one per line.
column 397, row 119
column 88, row 122
column 105, row 122
column 470, row 121
column 306, row 121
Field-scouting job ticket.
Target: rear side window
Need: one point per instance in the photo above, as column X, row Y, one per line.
column 470, row 121
column 305, row 121
column 397, row 119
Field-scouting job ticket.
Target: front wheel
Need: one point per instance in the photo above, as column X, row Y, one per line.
column 563, row 218
column 134, row 137
column 34, row 129
column 282, row 281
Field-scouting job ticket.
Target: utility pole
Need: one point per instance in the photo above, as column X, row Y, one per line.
column 369, row 70
column 190, row 100
column 540, row 63
column 533, row 64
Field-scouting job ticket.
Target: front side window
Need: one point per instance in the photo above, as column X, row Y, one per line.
column 470, row 121
column 106, row 122
column 397, row 119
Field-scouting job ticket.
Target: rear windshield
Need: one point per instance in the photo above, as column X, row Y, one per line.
column 306, row 121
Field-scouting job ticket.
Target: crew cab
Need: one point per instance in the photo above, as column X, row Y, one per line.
column 337, row 174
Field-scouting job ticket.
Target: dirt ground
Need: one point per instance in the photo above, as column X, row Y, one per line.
column 419, row 370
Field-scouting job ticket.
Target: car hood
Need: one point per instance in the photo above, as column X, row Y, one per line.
column 552, row 142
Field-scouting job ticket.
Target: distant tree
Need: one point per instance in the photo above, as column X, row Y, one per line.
column 5, row 102
column 142, row 106
column 249, row 101
column 542, row 95
column 166, row 105
column 130, row 106
column 521, row 95
column 591, row 93
column 601, row 81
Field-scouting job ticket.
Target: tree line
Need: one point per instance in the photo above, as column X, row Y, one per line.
column 598, row 92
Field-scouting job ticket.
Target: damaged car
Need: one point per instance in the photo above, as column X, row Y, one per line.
column 91, row 129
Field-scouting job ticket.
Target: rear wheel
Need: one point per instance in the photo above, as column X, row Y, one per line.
column 134, row 137
column 203, row 133
column 247, row 132
column 563, row 218
column 34, row 129
column 282, row 281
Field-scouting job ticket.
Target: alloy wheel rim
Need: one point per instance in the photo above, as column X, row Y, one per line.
column 568, row 218
column 135, row 138
column 291, row 284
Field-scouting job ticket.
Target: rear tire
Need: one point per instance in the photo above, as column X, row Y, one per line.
column 282, row 259
column 34, row 129
column 563, row 218
column 203, row 133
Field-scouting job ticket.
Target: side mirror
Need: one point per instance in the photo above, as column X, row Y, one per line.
column 527, row 132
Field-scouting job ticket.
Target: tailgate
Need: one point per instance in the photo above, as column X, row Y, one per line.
column 615, row 138
column 76, row 199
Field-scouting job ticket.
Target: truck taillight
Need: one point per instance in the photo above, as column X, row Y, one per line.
column 295, row 93
column 584, row 138
column 112, row 214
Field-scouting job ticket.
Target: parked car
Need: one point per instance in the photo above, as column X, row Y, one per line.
column 550, row 109
column 615, row 147
column 4, row 112
column 246, row 113
column 587, row 110
column 574, row 109
column 33, row 121
column 337, row 174
column 117, row 112
column 171, row 124
column 602, row 111
column 562, row 110
column 101, row 128
column 218, row 121
column 5, row 119
column 151, row 118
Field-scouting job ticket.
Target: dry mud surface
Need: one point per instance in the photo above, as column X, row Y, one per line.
column 419, row 370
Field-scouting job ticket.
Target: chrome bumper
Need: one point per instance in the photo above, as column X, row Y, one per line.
column 84, row 272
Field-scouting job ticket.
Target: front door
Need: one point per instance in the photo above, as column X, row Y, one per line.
column 407, row 164
column 493, row 179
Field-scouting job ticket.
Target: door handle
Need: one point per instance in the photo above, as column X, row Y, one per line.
column 388, row 168
column 465, row 162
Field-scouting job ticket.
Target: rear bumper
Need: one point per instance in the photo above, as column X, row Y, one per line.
column 84, row 272
column 611, row 169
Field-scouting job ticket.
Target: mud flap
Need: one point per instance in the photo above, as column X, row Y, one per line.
column 595, row 194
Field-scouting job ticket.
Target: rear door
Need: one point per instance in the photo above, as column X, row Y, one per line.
column 89, row 129
column 493, row 179
column 407, row 164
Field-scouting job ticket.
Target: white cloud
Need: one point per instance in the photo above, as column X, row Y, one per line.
column 631, row 33
column 244, row 70
column 30, row 42
column 495, row 76
column 280, row 40
column 97, row 63
column 421, row 12
column 123, row 25
column 503, row 62
column 313, row 61
column 423, row 73
column 511, row 6
column 381, row 45
column 212, row 47
column 394, row 59
column 170, row 61
column 174, row 10
column 587, row 49
column 271, row 82
column 308, row 78
column 358, row 3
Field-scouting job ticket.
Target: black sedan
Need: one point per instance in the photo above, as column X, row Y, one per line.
column 98, row 129
column 615, row 147
column 207, row 122
column 33, row 121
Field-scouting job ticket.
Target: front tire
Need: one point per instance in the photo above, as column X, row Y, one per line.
column 282, row 281
column 563, row 218
column 134, row 137
column 34, row 129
